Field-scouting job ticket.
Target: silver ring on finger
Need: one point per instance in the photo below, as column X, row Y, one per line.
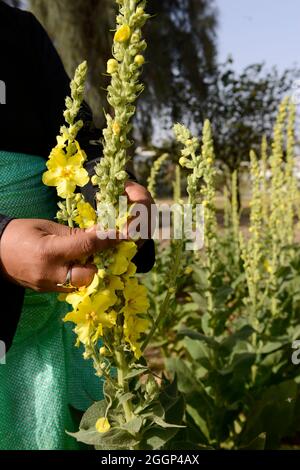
column 68, row 282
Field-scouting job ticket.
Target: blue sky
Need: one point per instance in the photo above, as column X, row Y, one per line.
column 259, row 30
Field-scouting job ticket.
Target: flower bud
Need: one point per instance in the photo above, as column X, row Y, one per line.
column 112, row 66
column 140, row 11
column 116, row 128
column 139, row 60
column 94, row 180
column 121, row 176
column 183, row 161
column 122, row 34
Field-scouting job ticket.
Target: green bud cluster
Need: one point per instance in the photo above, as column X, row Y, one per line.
column 74, row 102
column 252, row 252
column 124, row 89
column 155, row 169
column 202, row 169
column 290, row 184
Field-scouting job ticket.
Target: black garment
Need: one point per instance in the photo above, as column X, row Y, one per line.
column 36, row 87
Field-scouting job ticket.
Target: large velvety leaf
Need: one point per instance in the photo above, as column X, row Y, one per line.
column 272, row 414
column 156, row 438
column 134, row 425
column 96, row 411
column 116, row 439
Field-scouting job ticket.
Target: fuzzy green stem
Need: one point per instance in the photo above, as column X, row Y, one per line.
column 166, row 303
column 69, row 210
column 122, row 372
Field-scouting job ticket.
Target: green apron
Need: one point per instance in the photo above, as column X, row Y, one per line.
column 44, row 373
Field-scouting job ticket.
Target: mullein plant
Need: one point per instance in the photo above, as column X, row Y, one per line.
column 279, row 197
column 110, row 315
column 201, row 189
column 264, row 187
column 290, row 183
column 252, row 251
column 272, row 214
column 154, row 173
column 277, row 203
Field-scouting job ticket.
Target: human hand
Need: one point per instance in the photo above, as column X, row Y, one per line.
column 137, row 194
column 37, row 254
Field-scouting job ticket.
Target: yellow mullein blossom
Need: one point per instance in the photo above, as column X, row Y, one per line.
column 74, row 298
column 115, row 283
column 102, row 425
column 91, row 316
column 135, row 297
column 86, row 216
column 123, row 33
column 65, row 172
column 134, row 326
column 123, row 255
column 131, row 270
column 93, row 308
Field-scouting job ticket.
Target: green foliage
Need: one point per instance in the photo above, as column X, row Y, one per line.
column 157, row 418
column 242, row 107
column 229, row 347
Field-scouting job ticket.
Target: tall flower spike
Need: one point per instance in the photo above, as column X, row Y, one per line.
column 65, row 163
column 208, row 189
column 253, row 250
column 155, row 169
column 191, row 160
column 74, row 102
column 124, row 89
column 290, row 180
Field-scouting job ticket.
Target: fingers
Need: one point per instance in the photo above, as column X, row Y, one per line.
column 142, row 220
column 80, row 276
column 78, row 244
column 137, row 193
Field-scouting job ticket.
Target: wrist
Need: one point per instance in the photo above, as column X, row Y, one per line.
column 4, row 221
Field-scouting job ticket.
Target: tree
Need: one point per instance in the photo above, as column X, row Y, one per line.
column 181, row 50
column 181, row 57
column 80, row 30
column 242, row 108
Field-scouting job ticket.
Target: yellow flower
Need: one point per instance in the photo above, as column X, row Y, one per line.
column 61, row 140
column 123, row 33
column 102, row 425
column 115, row 283
column 74, row 298
column 65, row 172
column 116, row 128
column 84, row 332
column 188, row 270
column 86, row 217
column 112, row 66
column 139, row 60
column 92, row 309
column 130, row 271
column 267, row 266
column 103, row 351
column 123, row 254
column 136, row 300
column 91, row 316
column 134, row 326
column 80, row 151
column 101, row 272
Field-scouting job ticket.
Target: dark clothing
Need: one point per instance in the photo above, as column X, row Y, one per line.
column 36, row 86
